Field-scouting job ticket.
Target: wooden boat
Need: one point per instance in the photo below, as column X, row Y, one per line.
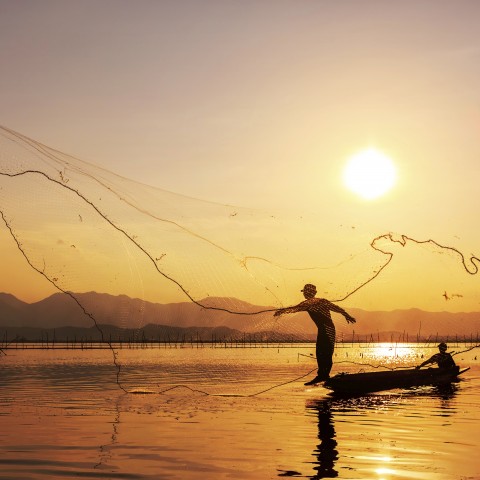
column 356, row 383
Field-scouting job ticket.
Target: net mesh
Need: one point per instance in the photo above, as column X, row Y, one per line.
column 129, row 256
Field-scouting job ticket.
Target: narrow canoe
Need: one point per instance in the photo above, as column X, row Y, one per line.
column 353, row 383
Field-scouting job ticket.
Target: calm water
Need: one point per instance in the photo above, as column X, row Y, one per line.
column 63, row 415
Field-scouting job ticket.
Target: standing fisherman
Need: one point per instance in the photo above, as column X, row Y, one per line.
column 319, row 310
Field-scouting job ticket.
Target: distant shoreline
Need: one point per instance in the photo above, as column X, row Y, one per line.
column 161, row 336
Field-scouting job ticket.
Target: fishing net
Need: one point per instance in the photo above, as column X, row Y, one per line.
column 137, row 266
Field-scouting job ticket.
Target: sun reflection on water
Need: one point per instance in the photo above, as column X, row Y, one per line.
column 403, row 354
column 384, row 471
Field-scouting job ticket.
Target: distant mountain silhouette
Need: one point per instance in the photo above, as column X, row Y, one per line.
column 12, row 310
column 145, row 335
column 60, row 310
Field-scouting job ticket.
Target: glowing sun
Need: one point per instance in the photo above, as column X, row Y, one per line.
column 369, row 174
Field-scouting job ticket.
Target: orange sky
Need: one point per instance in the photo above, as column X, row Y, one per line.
column 260, row 104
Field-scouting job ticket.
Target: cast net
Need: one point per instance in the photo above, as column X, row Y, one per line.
column 139, row 267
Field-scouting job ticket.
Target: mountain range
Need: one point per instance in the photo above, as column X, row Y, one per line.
column 122, row 312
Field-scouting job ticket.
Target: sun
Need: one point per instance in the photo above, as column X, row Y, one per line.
column 369, row 174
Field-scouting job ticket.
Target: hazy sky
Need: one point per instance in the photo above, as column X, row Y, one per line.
column 259, row 103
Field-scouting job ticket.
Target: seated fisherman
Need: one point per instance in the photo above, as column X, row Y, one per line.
column 443, row 359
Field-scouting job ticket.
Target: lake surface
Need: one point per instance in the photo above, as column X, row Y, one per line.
column 230, row 413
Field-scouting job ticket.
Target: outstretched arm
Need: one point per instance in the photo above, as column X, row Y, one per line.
column 426, row 362
column 337, row 309
column 297, row 308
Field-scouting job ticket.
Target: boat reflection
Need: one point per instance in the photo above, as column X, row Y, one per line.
column 326, row 452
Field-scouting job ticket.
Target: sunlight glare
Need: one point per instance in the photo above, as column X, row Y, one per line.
column 392, row 350
column 369, row 174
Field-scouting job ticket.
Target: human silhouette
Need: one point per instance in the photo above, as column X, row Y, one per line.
column 443, row 359
column 326, row 452
column 319, row 310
